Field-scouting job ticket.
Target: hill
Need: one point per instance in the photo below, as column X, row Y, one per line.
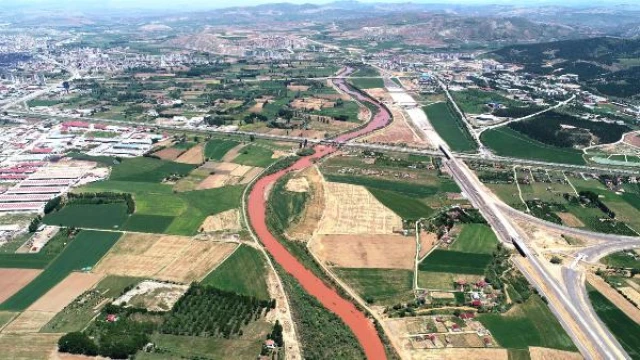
column 606, row 64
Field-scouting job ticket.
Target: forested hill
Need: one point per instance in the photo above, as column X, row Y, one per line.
column 609, row 65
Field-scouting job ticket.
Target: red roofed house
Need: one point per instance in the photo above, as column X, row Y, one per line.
column 476, row 303
column 112, row 318
column 270, row 344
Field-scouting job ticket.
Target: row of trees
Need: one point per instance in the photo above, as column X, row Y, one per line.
column 103, row 198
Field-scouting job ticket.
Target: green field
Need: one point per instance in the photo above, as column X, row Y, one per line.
column 243, row 273
column 368, row 83
column 103, row 216
column 160, row 210
column 623, row 328
column 216, row 149
column 404, row 188
column 475, row 238
column 379, row 286
column 508, row 142
column 76, row 316
column 528, row 324
column 474, row 101
column 450, row 128
column 39, row 260
column 404, row 206
column 83, row 251
column 456, row 262
column 147, row 223
column 622, row 259
column 254, row 156
column 146, row 169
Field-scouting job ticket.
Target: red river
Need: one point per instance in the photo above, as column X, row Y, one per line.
column 362, row 327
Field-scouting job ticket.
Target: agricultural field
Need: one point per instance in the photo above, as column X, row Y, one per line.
column 505, row 141
column 475, row 238
column 38, row 260
column 450, row 127
column 160, row 210
column 170, row 258
column 407, row 207
column 79, row 313
column 147, row 170
column 368, row 83
column 379, row 286
column 103, row 216
column 623, row 328
column 254, row 156
column 624, row 259
column 244, row 272
column 528, row 324
column 216, row 149
column 456, row 262
column 372, row 251
column 84, row 251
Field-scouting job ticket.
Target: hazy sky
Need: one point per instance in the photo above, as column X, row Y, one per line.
column 186, row 4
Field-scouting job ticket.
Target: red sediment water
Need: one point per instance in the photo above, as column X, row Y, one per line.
column 362, row 327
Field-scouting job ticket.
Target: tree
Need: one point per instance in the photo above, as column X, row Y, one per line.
column 77, row 343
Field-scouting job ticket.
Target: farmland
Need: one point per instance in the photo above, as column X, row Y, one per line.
column 254, row 156
column 216, row 149
column 244, row 273
column 406, row 207
column 82, row 310
column 103, row 216
column 623, row 328
column 368, row 83
column 447, row 261
column 508, row 142
column 475, row 238
column 528, row 324
column 475, row 101
column 450, row 127
column 623, row 259
column 39, row 260
column 379, row 286
column 404, row 188
column 144, row 169
column 83, row 251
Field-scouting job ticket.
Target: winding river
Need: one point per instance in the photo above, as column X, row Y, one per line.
column 359, row 324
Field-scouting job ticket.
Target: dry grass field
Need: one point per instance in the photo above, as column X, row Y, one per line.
column 460, row 353
column 28, row 346
column 169, row 258
column 226, row 220
column 300, row 185
column 351, row 209
column 74, row 285
column 538, row 353
column 226, row 173
column 428, row 241
column 29, row 321
column 314, row 208
column 570, row 220
column 366, row 251
column 12, row 280
column 194, row 156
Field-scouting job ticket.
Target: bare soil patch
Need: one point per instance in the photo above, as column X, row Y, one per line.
column 28, row 346
column 169, row 153
column 427, row 242
column 233, row 153
column 351, row 209
column 398, row 132
column 298, row 88
column 12, row 280
column 312, row 103
column 194, row 156
column 570, row 220
column 539, row 353
column 631, row 293
column 214, row 181
column 366, row 251
column 300, row 185
column 74, row 285
column 152, row 295
column 632, row 139
column 250, row 175
column 613, row 296
column 169, row 258
column 226, row 220
column 379, row 93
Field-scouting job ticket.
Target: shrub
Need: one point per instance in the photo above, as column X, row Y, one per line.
column 77, row 343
